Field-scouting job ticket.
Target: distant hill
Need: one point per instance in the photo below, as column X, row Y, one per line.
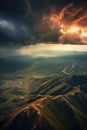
column 10, row 64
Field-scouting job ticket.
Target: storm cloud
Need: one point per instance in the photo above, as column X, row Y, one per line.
column 35, row 21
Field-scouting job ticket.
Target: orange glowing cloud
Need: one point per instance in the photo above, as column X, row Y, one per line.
column 68, row 22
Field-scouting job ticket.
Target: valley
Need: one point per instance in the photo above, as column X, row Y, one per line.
column 44, row 93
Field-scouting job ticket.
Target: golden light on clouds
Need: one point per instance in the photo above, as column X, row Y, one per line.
column 68, row 23
column 74, row 29
column 84, row 34
column 73, row 34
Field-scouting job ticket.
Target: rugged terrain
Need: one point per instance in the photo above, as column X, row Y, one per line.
column 44, row 94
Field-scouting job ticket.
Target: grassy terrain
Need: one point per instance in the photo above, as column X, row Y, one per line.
column 56, row 88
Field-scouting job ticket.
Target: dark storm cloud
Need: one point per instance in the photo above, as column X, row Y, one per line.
column 13, row 31
column 12, row 25
column 37, row 21
column 14, row 8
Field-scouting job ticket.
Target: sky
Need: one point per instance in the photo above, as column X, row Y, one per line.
column 44, row 50
column 51, row 50
column 28, row 22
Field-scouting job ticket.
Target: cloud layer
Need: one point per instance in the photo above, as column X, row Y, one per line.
column 36, row 21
